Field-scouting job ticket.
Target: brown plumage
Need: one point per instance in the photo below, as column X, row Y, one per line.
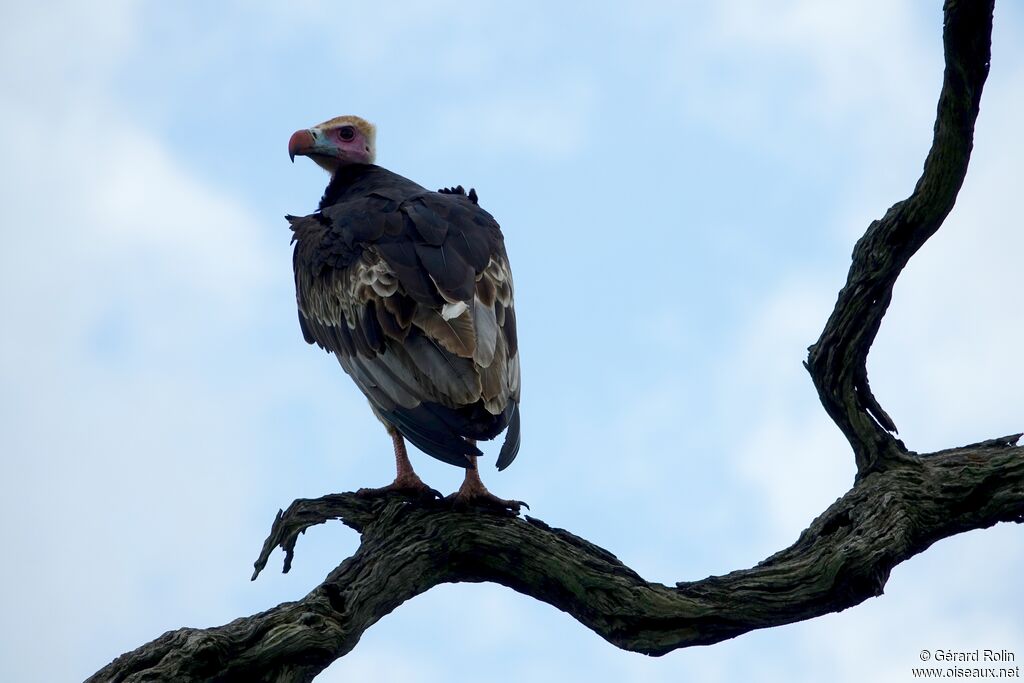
column 412, row 291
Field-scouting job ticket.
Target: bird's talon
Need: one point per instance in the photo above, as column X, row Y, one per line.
column 486, row 500
column 417, row 490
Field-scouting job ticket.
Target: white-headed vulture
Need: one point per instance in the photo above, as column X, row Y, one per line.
column 411, row 290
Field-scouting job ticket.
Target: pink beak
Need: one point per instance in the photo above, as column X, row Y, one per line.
column 301, row 142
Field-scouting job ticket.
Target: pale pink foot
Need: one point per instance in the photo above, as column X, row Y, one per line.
column 405, row 485
column 406, row 482
column 473, row 493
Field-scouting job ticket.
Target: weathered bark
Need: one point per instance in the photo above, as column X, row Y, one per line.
column 900, row 504
column 838, row 360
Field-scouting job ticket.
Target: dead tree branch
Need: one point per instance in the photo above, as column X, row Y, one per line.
column 900, row 504
column 838, row 360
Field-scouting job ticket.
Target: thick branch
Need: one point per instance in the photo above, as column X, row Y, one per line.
column 407, row 548
column 838, row 360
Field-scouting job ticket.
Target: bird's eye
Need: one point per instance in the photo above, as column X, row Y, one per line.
column 347, row 133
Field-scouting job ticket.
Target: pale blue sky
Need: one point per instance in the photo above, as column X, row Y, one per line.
column 680, row 186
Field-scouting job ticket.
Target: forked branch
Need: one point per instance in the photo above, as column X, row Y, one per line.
column 900, row 504
column 407, row 548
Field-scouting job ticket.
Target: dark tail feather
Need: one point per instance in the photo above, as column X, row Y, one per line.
column 440, row 443
column 510, row 449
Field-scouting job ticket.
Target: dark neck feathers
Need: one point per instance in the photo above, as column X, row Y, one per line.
column 344, row 179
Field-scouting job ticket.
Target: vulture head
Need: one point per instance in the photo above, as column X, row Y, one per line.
column 335, row 143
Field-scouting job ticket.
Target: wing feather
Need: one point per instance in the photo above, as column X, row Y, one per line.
column 457, row 335
column 486, row 331
column 411, row 290
column 448, row 379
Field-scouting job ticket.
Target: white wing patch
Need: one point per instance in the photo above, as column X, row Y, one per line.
column 450, row 311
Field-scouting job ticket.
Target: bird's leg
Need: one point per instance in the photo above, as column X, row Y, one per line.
column 474, row 493
column 406, row 479
column 405, row 475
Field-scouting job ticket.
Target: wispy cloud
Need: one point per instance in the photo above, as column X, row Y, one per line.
column 157, row 393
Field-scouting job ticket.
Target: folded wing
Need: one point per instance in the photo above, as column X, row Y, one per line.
column 412, row 291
